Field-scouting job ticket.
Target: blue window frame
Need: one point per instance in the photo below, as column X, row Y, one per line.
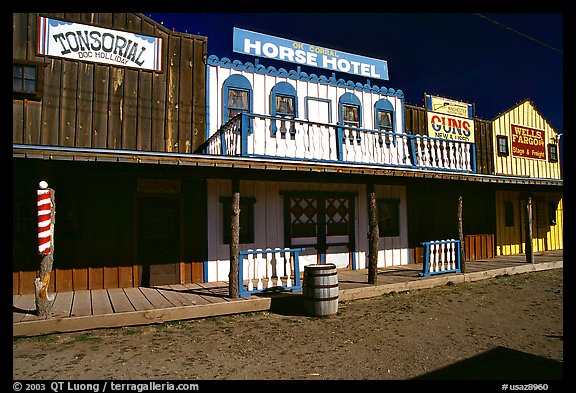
column 384, row 120
column 237, row 96
column 283, row 103
column 350, row 110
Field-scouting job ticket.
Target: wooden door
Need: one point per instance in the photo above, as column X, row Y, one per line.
column 159, row 240
column 322, row 223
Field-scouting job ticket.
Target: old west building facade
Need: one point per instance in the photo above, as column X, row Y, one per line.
column 144, row 161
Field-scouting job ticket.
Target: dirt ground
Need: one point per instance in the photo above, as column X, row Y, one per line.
column 502, row 328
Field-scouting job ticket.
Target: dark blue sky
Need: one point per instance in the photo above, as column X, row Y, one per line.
column 493, row 63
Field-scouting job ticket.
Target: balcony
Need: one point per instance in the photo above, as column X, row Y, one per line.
column 251, row 135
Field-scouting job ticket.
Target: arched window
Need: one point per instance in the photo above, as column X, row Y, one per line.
column 350, row 110
column 283, row 103
column 237, row 96
column 384, row 119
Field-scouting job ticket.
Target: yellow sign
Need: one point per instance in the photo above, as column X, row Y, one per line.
column 449, row 107
column 450, row 127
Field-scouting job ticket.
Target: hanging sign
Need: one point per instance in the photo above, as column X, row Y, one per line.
column 449, row 107
column 449, row 119
column 450, row 127
column 262, row 45
column 528, row 142
column 77, row 41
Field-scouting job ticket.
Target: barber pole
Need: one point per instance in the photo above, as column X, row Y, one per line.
column 46, row 214
column 44, row 219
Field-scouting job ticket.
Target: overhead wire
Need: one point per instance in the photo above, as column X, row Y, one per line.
column 520, row 33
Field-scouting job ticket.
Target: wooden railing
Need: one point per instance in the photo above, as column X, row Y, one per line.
column 441, row 256
column 251, row 135
column 269, row 269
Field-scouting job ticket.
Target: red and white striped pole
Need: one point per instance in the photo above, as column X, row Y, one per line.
column 46, row 214
column 44, row 219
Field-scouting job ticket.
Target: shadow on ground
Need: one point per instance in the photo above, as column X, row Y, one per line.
column 500, row 363
column 287, row 304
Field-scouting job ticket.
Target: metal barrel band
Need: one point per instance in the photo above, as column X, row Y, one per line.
column 321, row 286
column 321, row 299
column 323, row 274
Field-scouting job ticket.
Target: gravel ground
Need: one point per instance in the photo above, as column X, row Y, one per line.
column 508, row 327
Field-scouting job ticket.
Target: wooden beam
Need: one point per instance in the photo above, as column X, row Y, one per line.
column 373, row 235
column 461, row 237
column 234, row 240
column 529, row 245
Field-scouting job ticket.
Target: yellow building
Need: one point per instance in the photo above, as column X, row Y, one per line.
column 526, row 146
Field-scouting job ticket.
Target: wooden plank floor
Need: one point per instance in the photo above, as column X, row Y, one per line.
column 184, row 301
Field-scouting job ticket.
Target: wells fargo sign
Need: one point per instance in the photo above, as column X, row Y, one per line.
column 76, row 41
column 528, row 142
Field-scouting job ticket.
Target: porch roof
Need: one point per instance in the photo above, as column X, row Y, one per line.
column 258, row 164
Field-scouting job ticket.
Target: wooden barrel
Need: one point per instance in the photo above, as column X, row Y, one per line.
column 320, row 290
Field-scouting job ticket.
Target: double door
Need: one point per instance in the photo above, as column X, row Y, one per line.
column 323, row 223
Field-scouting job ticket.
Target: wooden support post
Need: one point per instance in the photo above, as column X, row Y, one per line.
column 233, row 289
column 461, row 236
column 373, row 234
column 529, row 245
column 46, row 220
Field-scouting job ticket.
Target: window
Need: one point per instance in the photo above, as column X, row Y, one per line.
column 384, row 120
column 26, row 80
column 246, row 219
column 237, row 96
column 552, row 213
column 508, row 214
column 237, row 102
column 553, row 153
column 384, row 111
column 283, row 104
column 350, row 115
column 350, row 110
column 389, row 217
column 502, row 142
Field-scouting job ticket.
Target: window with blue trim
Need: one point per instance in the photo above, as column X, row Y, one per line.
column 384, row 113
column 237, row 94
column 350, row 110
column 238, row 101
column 283, row 103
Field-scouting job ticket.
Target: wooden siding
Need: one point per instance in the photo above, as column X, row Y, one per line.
column 546, row 237
column 479, row 246
column 416, row 123
column 524, row 114
column 269, row 221
column 261, row 87
column 96, row 235
column 102, row 106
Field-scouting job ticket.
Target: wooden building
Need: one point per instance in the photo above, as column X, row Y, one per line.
column 145, row 155
column 83, row 90
column 526, row 145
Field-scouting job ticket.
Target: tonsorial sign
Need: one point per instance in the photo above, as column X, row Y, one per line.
column 262, row 45
column 77, row 41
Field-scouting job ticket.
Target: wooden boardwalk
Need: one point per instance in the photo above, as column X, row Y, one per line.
column 115, row 307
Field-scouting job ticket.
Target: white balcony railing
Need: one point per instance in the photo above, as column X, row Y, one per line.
column 250, row 135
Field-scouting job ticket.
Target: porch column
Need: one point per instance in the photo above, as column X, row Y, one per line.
column 461, row 236
column 234, row 240
column 529, row 246
column 373, row 234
